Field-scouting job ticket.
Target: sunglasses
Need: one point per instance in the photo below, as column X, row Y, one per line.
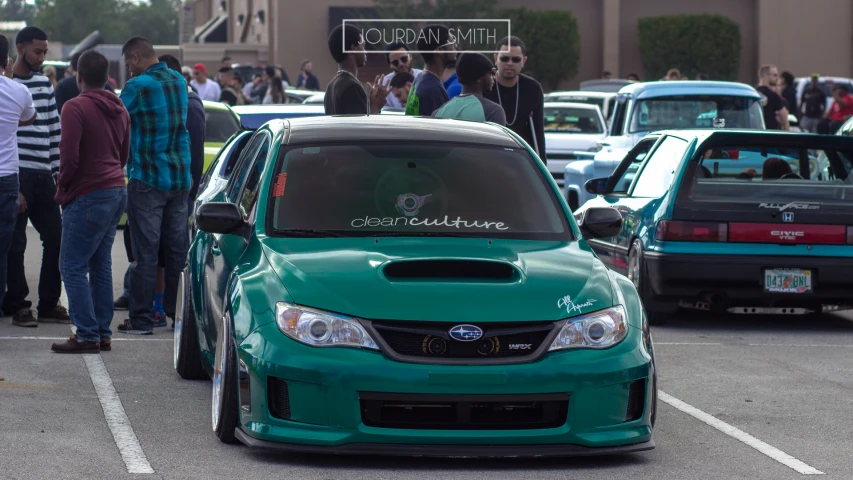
column 506, row 59
column 404, row 59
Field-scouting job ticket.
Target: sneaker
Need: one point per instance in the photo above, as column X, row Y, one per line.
column 24, row 318
column 72, row 345
column 127, row 328
column 106, row 344
column 160, row 320
column 59, row 314
column 121, row 303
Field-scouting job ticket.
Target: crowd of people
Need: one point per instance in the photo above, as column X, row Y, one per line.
column 467, row 86
column 74, row 158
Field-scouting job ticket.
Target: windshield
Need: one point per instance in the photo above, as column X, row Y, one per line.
column 411, row 189
column 572, row 120
column 696, row 111
column 576, row 99
column 772, row 174
column 221, row 124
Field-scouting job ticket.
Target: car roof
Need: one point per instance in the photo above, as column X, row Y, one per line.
column 581, row 106
column 270, row 109
column 581, row 93
column 641, row 90
column 397, row 128
column 745, row 135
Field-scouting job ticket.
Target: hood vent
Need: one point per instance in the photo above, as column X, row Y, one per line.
column 451, row 270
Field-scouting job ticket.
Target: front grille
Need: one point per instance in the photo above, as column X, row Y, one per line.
column 562, row 156
column 431, row 341
column 279, row 398
column 558, row 175
column 464, row 412
column 636, row 400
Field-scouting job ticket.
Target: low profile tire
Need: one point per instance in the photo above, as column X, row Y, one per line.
column 638, row 274
column 224, row 395
column 187, row 351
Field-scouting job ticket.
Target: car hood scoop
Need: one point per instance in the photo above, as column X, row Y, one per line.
column 447, row 279
column 451, row 270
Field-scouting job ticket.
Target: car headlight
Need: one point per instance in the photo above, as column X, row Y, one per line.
column 601, row 329
column 321, row 329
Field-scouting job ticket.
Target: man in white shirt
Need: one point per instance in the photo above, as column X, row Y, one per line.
column 16, row 109
column 207, row 89
column 400, row 60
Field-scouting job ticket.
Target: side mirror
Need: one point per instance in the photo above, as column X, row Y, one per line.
column 600, row 222
column 596, row 186
column 218, row 217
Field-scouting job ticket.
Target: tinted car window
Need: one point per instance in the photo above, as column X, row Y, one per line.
column 749, row 174
column 572, row 120
column 241, row 170
column 696, row 111
column 221, row 124
column 656, row 176
column 415, row 189
column 638, row 154
column 250, row 187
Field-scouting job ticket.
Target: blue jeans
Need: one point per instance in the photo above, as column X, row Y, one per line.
column 88, row 230
column 155, row 217
column 8, row 217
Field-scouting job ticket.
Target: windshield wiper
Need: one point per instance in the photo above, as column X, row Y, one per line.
column 307, row 232
column 418, row 234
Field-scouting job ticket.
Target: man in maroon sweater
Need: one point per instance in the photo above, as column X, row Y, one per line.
column 91, row 190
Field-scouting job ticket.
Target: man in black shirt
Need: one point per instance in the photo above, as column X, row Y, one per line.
column 775, row 111
column 67, row 88
column 345, row 94
column 520, row 95
column 813, row 105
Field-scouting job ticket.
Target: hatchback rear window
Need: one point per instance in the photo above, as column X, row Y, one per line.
column 408, row 189
column 772, row 174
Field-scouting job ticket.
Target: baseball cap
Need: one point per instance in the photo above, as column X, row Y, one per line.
column 200, row 66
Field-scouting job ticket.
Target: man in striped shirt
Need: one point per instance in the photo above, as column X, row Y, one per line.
column 38, row 151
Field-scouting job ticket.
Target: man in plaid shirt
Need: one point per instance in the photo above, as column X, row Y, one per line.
column 159, row 180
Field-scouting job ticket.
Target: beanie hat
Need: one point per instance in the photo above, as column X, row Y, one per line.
column 433, row 36
column 471, row 66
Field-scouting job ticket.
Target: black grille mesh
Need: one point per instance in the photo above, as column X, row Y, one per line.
column 279, row 398
column 636, row 400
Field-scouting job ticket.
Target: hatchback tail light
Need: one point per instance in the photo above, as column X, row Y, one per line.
column 692, row 231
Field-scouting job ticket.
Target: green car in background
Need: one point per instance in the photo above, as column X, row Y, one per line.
column 221, row 123
column 352, row 290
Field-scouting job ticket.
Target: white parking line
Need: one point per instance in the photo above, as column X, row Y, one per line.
column 123, row 435
column 798, row 345
column 685, row 343
column 744, row 437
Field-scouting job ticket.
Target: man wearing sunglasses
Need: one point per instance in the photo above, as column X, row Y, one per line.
column 438, row 47
column 400, row 60
column 520, row 95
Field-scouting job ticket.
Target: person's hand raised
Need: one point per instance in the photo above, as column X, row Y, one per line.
column 378, row 93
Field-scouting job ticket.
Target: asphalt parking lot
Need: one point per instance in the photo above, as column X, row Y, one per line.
column 745, row 397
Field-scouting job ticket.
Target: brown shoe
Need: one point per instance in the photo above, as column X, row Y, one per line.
column 59, row 314
column 72, row 345
column 106, row 344
column 24, row 318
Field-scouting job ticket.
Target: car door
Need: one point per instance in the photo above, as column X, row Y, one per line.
column 646, row 193
column 617, row 189
column 214, row 277
column 228, row 248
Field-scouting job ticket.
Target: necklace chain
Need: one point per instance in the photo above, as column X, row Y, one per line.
column 517, row 96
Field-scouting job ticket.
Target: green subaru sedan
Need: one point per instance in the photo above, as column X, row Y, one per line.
column 410, row 286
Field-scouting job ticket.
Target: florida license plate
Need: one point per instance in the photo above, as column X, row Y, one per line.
column 787, row 280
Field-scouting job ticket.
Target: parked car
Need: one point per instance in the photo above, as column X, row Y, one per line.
column 645, row 107
column 846, row 129
column 746, row 222
column 341, row 294
column 604, row 85
column 570, row 127
column 316, row 99
column 606, row 101
column 253, row 116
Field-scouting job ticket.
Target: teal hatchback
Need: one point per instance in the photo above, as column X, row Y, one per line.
column 741, row 221
column 409, row 286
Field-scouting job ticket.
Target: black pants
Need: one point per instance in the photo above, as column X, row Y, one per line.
column 38, row 189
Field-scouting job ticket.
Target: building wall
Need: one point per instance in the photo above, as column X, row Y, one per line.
column 742, row 12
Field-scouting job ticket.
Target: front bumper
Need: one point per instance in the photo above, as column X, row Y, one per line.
column 738, row 280
column 326, row 387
